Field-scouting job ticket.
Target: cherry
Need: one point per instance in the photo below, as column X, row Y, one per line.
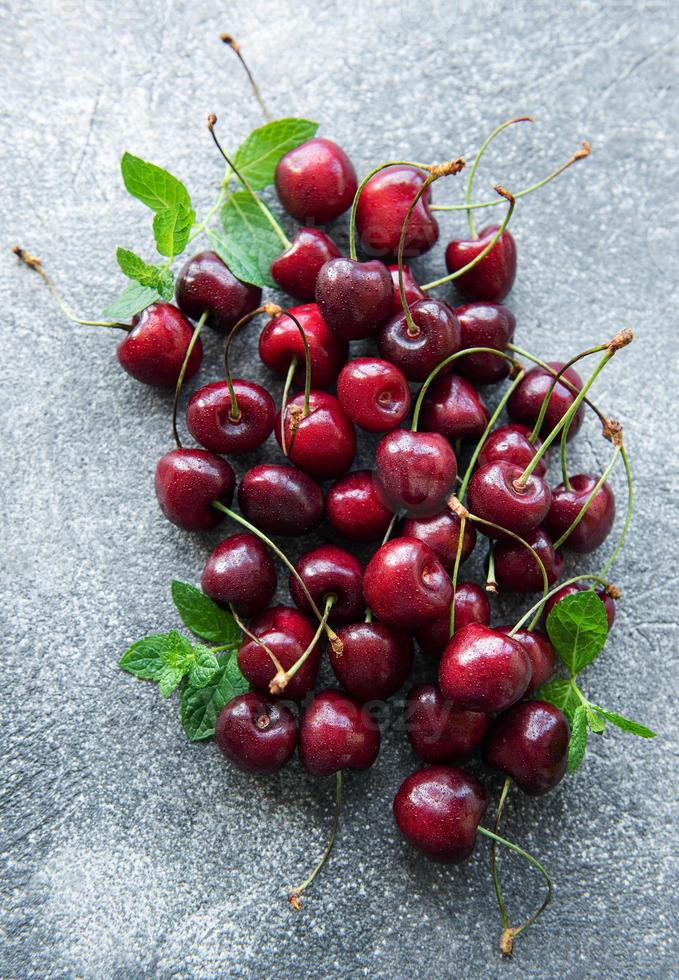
column 206, row 283
column 418, row 352
column 322, row 443
column 530, row 743
column 606, row 598
column 412, row 289
column 296, row 270
column 330, row 571
column 154, row 349
column 415, row 471
column 316, row 181
column 437, row 731
column 481, row 669
column 354, row 297
column 441, row 532
column 280, row 499
column 280, row 342
column 375, row 661
column 240, row 571
column 484, row 325
column 374, row 393
column 406, row 585
column 256, row 734
column 526, row 400
column 337, row 733
column 187, row 482
column 438, row 810
column 383, row 207
column 287, row 634
column 453, row 407
column 491, row 278
column 510, row 443
column 597, row 522
column 494, row 496
column 516, row 569
column 209, row 419
column 354, row 508
column 541, row 653
column 471, row 606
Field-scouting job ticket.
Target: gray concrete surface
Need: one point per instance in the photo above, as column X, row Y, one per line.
column 129, row 852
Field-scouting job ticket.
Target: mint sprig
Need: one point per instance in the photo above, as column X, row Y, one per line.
column 248, row 244
column 200, row 706
column 258, row 155
column 204, row 617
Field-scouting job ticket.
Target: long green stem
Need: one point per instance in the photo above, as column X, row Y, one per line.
column 628, row 516
column 486, row 432
column 587, row 504
column 296, row 892
column 456, row 569
column 553, row 371
column 180, row 380
column 279, row 683
column 256, row 639
column 507, row 785
column 472, row 173
column 491, row 581
column 352, row 215
column 292, row 367
column 506, row 532
column 269, row 308
column 203, row 225
column 235, row 47
column 554, row 382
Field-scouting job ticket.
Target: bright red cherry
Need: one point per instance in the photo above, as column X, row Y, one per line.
column 375, row 661
column 240, row 571
column 415, row 471
column 516, row 569
column 316, row 181
column 493, row 495
column 572, row 589
column 287, row 634
column 510, row 443
column 153, row 351
column 437, row 731
column 441, row 532
column 280, row 499
column 471, row 606
column 597, row 522
column 383, row 207
column 491, row 278
column 416, row 353
column 323, row 443
column 296, row 270
column 530, row 743
column 374, row 393
column 541, row 653
column 484, row 325
column 481, row 669
column 208, row 417
column 406, row 585
column 354, row 297
column 256, row 734
column 280, row 342
column 526, row 400
column 337, row 733
column 206, row 283
column 354, row 508
column 453, row 407
column 187, row 482
column 412, row 289
column 329, row 570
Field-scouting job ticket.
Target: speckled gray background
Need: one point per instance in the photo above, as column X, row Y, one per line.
column 129, row 852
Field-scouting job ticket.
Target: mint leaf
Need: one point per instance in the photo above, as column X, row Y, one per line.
column 203, row 616
column 204, row 665
column 201, row 706
column 153, row 186
column 170, row 679
column 166, row 284
column 595, row 722
column 171, row 228
column 578, row 628
column 562, row 694
column 625, row 723
column 248, row 244
column 578, row 740
column 133, row 299
column 147, row 658
column 258, row 154
column 135, row 268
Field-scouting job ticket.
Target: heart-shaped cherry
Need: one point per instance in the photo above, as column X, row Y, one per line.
column 240, row 571
column 354, row 297
column 256, row 734
column 280, row 499
column 572, row 589
column 210, row 420
column 481, row 669
column 330, row 571
column 187, row 483
column 322, row 443
column 529, row 743
column 374, row 393
column 454, row 408
column 287, row 634
column 296, row 270
column 525, row 402
column 516, row 569
column 484, row 325
column 436, row 335
column 154, row 349
column 471, row 606
column 437, row 731
column 491, row 278
column 205, row 283
column 597, row 522
column 541, row 653
column 383, row 207
column 415, row 471
column 511, row 443
column 375, row 661
column 316, row 181
column 354, row 508
column 337, row 733
column 406, row 585
column 280, row 342
column 495, row 495
column 412, row 289
column 441, row 532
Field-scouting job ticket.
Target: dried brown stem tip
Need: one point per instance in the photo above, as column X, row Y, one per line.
column 612, row 431
column 457, row 507
column 278, row 683
column 211, row 121
column 612, row 590
column 30, row 260
column 336, row 643
column 272, row 309
column 448, row 168
column 507, row 942
column 583, row 152
column 503, row 192
column 231, row 41
column 491, row 587
column 620, row 340
column 293, row 898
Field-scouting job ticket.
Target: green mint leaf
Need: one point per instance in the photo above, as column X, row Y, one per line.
column 625, row 723
column 204, row 665
column 170, row 679
column 201, row 706
column 578, row 741
column 204, row 617
column 147, row 658
column 179, row 653
column 135, row 268
column 258, row 154
column 171, row 229
column 166, row 284
column 561, row 693
column 577, row 626
column 153, row 186
column 133, row 299
column 248, row 243
column 595, row 722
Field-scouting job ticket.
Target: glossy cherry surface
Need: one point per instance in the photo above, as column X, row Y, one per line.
column 187, row 482
column 491, row 278
column 209, row 419
column 484, row 325
column 240, row 571
column 438, row 810
column 316, row 181
column 471, row 606
column 256, row 734
column 412, row 289
column 329, row 570
column 287, row 634
column 153, row 351
column 374, row 393
column 526, row 400
column 437, row 731
column 482, row 669
column 493, row 496
column 453, row 407
column 597, row 522
column 441, row 532
column 354, row 508
column 296, row 270
column 375, row 661
column 206, row 283
column 541, row 653
column 530, row 743
column 415, row 471
column 322, row 443
column 383, row 207
column 510, row 443
column 417, row 352
column 280, row 341
column 406, row 585
column 572, row 589
column 354, row 297
column 280, row 499
column 336, row 732
column 516, row 569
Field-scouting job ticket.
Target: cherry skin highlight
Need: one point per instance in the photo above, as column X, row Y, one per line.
column 530, row 743
column 375, row 661
column 287, row 634
column 354, row 508
column 280, row 499
column 296, row 270
column 471, row 606
column 316, row 181
column 209, row 420
column 406, row 585
column 412, row 289
column 516, row 569
column 383, row 207
column 206, row 283
column 323, row 443
column 493, row 496
column 454, row 408
column 417, row 353
column 526, row 400
column 491, row 278
column 541, row 653
column 441, row 532
column 510, row 443
column 481, row 669
column 437, row 731
column 415, row 471
column 187, row 482
column 354, row 297
column 484, row 325
column 280, row 342
column 572, row 589
column 240, row 571
column 329, row 570
column 337, row 733
column 153, row 351
column 374, row 393
column 256, row 734
column 597, row 522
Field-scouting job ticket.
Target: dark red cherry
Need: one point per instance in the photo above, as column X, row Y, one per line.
column 481, row 669
column 406, row 585
column 417, row 353
column 491, row 278
column 453, row 407
column 516, row 569
column 354, row 508
column 526, row 400
column 240, row 571
column 256, row 734
column 323, row 443
column 296, row 270
column 154, row 349
column 280, row 341
column 187, row 482
column 597, row 522
column 484, row 325
column 208, row 417
column 572, row 589
column 354, row 297
column 329, row 570
column 471, row 606
column 206, row 283
column 374, row 393
column 541, row 653
column 375, row 661
column 441, row 532
column 316, row 181
column 287, row 634
column 510, row 443
column 438, row 809
column 415, row 471
column 412, row 289
column 437, row 731
column 280, row 499
column 493, row 496
column 336, row 733
column 529, row 743
column 382, row 209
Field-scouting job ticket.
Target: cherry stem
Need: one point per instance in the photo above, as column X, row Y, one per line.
column 484, row 252
column 472, row 173
column 563, row 453
column 285, row 241
column 292, row 367
column 516, row 537
column 272, row 310
column 491, row 581
column 628, row 516
column 180, row 380
column 554, row 382
column 296, row 892
column 507, row 785
column 456, row 568
column 280, row 681
column 564, row 381
column 537, row 607
column 235, row 47
column 260, row 643
column 585, row 507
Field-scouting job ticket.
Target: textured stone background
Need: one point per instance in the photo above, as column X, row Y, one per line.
column 126, row 850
